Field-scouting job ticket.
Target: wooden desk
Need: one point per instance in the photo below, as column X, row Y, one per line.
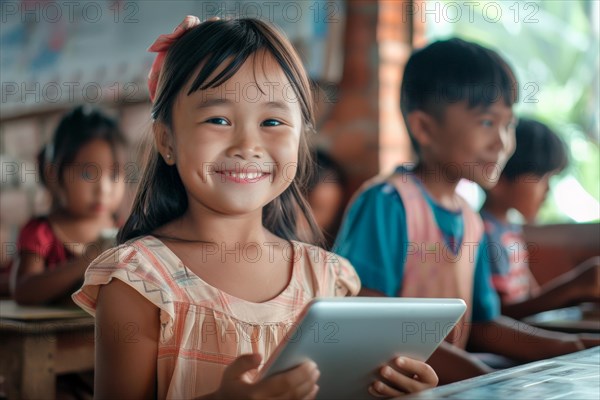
column 34, row 351
column 584, row 318
column 572, row 376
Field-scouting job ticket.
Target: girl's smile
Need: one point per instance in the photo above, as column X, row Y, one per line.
column 243, row 177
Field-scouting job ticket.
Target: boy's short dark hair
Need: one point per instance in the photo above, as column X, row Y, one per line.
column 539, row 151
column 451, row 71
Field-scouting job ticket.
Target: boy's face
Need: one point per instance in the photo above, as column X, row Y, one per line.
column 474, row 143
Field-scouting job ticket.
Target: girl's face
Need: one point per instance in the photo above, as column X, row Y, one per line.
column 236, row 146
column 92, row 185
column 528, row 193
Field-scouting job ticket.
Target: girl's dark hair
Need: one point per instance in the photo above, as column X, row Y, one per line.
column 161, row 196
column 454, row 70
column 538, row 151
column 78, row 127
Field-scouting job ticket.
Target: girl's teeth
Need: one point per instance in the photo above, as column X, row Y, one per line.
column 245, row 176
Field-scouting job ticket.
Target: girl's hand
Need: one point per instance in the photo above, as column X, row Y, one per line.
column 403, row 375
column 238, row 382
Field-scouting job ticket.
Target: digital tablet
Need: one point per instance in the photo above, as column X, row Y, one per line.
column 350, row 338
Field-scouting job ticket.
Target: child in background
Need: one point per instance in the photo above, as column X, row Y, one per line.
column 411, row 234
column 81, row 168
column 209, row 275
column 523, row 186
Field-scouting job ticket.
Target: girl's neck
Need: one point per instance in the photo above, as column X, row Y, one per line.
column 201, row 224
column 442, row 190
column 79, row 229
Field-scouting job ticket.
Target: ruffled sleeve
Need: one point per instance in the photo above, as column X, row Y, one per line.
column 131, row 265
column 329, row 274
column 347, row 282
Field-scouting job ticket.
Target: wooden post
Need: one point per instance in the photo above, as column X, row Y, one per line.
column 364, row 131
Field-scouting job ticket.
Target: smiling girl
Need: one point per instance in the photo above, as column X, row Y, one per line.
column 210, row 276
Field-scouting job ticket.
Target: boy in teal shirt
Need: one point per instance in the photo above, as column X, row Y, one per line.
column 412, row 235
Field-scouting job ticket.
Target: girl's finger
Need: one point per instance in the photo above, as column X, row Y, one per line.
column 381, row 389
column 313, row 393
column 425, row 373
column 305, row 389
column 373, row 392
column 400, row 381
column 302, row 378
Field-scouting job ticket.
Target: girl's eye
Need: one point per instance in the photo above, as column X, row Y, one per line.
column 271, row 122
column 218, row 121
column 488, row 123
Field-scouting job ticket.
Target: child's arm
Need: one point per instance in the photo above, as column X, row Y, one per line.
column 31, row 284
column 578, row 285
column 454, row 364
column 127, row 329
column 4, row 282
column 519, row 341
column 589, row 340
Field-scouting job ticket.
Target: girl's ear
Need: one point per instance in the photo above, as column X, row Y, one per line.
column 422, row 127
column 164, row 142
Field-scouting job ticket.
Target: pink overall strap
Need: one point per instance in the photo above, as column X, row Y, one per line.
column 431, row 268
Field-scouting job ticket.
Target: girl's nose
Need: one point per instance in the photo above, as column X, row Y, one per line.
column 104, row 184
column 246, row 145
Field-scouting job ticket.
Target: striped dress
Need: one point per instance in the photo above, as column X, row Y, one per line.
column 203, row 329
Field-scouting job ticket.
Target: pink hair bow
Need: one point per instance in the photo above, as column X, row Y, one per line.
column 161, row 46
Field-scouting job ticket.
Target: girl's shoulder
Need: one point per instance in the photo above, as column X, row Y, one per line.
column 141, row 252
column 137, row 263
column 36, row 232
column 328, row 273
column 37, row 224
